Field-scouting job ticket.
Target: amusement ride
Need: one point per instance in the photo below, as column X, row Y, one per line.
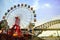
column 19, row 21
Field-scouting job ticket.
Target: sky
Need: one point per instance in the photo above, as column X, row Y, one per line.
column 45, row 9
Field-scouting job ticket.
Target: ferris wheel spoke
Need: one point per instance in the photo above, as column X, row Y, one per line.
column 23, row 25
column 25, row 22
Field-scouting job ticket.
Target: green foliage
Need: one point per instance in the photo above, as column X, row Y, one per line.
column 3, row 24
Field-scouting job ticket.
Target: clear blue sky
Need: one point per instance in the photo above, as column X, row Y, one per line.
column 45, row 9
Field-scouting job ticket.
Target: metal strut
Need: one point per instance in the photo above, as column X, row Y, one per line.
column 17, row 27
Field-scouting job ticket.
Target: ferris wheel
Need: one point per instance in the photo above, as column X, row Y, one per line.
column 24, row 12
